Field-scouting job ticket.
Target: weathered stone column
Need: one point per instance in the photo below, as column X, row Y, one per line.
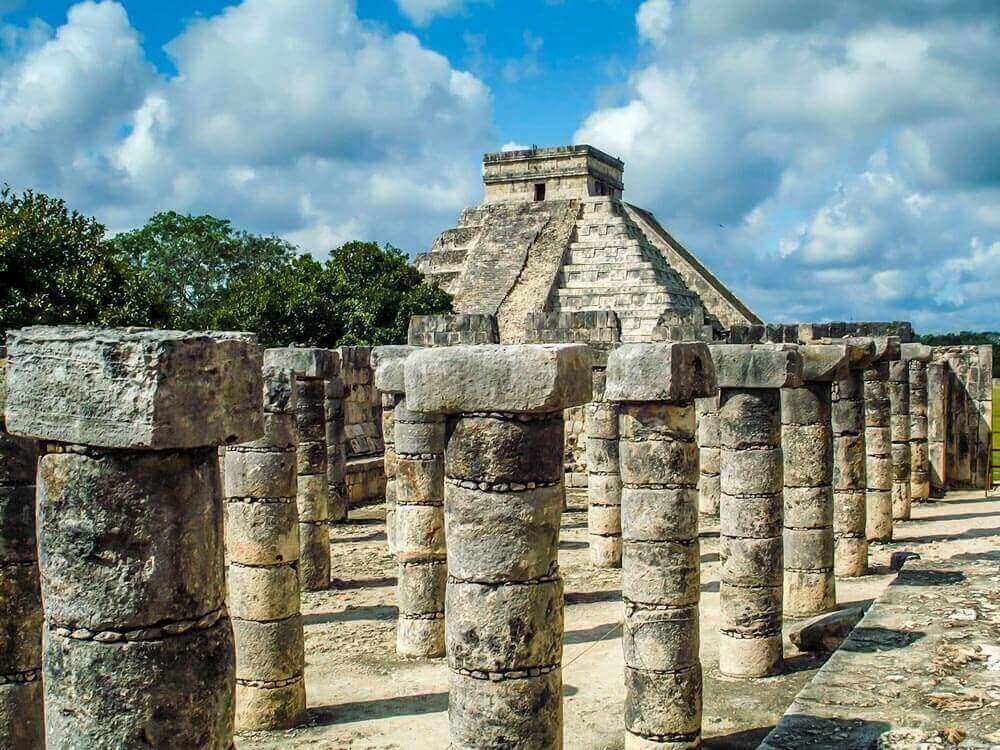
column 750, row 510
column 709, row 488
column 847, row 419
column 336, row 460
column 312, row 368
column 604, row 481
column 807, row 448
column 878, row 441
column 899, row 405
column 138, row 648
column 917, row 356
column 503, row 502
column 21, row 720
column 380, row 356
column 419, row 516
column 654, row 386
column 262, row 538
column 937, row 426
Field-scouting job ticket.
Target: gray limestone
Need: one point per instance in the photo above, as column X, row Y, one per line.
column 849, row 475
column 807, row 448
column 133, row 387
column 878, row 450
column 503, row 499
column 262, row 541
column 660, row 562
column 21, row 713
column 336, row 438
column 937, row 426
column 137, row 641
column 751, row 504
column 899, row 405
column 709, row 488
column 419, row 532
column 313, row 368
column 604, row 481
column 917, row 357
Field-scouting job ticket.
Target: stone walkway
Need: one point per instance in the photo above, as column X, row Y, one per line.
column 362, row 696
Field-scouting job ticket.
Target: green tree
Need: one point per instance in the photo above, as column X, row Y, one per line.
column 196, row 259
column 56, row 267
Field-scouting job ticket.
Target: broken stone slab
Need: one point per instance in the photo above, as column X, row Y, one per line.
column 825, row 632
column 520, row 379
column 757, row 365
column 822, row 363
column 670, row 372
column 387, row 362
column 133, row 387
column 305, row 362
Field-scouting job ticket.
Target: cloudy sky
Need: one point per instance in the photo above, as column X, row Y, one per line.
column 828, row 160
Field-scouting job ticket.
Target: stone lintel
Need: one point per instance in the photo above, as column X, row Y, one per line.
column 134, row 388
column 387, row 362
column 757, row 365
column 527, row 378
column 828, row 362
column 919, row 352
column 677, row 372
column 305, row 362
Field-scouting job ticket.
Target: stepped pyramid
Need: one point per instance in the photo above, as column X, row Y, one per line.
column 554, row 235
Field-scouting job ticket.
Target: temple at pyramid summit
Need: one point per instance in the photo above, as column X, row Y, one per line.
column 553, row 234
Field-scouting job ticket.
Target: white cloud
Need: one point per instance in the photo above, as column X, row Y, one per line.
column 422, row 12
column 828, row 160
column 287, row 116
column 653, row 19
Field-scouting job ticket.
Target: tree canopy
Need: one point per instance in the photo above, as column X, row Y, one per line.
column 199, row 272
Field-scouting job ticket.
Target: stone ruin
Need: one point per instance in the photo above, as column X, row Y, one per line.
column 184, row 483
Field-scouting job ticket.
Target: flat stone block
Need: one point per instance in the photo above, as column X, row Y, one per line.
column 757, row 365
column 669, row 372
column 387, row 362
column 521, row 379
column 305, row 362
column 829, row 362
column 133, row 388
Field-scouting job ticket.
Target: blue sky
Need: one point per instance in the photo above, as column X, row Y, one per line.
column 827, row 160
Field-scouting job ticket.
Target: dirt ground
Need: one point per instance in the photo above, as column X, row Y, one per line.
column 362, row 696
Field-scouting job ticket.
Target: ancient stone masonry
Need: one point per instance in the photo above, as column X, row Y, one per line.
column 878, row 441
column 709, row 481
column 604, row 483
column 418, row 525
column 21, row 721
column 654, row 387
column 807, row 448
column 917, row 356
column 451, row 330
column 937, row 426
column 969, row 409
column 137, row 640
column 365, row 475
column 312, row 368
column 262, row 540
column 847, row 420
column 336, row 456
column 503, row 503
column 899, row 405
column 750, row 513
column 553, row 235
column 389, row 361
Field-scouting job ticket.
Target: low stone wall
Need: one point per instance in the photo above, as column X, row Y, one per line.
column 970, row 412
column 451, row 330
column 362, row 426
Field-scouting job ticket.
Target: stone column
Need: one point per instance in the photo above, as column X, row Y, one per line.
column 604, row 481
column 21, row 721
column 384, row 357
column 807, row 448
column 654, row 386
column 937, row 426
column 708, row 450
column 138, row 647
column 262, row 538
column 899, row 406
column 750, row 510
column 336, row 461
column 847, row 419
column 503, row 502
column 878, row 441
column 312, row 368
column 419, row 515
column 917, row 356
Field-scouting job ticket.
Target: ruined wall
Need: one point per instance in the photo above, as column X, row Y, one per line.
column 970, row 409
column 362, row 427
column 451, row 330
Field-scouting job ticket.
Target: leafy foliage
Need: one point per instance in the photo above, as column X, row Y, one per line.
column 198, row 272
column 56, row 267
